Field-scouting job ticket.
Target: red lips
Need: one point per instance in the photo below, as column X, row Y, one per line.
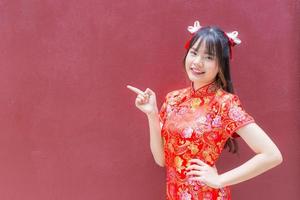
column 197, row 71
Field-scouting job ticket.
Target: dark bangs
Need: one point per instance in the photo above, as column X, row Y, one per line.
column 212, row 41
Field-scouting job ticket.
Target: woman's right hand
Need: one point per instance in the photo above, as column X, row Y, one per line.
column 145, row 101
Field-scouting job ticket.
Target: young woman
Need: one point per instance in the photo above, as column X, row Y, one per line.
column 196, row 123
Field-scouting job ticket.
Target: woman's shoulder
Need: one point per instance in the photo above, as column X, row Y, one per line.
column 177, row 92
column 176, row 96
column 229, row 100
column 226, row 97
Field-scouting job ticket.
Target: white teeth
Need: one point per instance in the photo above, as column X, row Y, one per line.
column 195, row 70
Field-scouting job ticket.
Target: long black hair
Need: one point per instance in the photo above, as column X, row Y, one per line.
column 217, row 43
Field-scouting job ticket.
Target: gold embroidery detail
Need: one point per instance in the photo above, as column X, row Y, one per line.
column 178, row 163
column 206, row 100
column 194, row 149
column 206, row 156
column 219, row 93
column 170, row 147
column 195, row 103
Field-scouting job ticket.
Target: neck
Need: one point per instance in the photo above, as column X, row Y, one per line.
column 200, row 85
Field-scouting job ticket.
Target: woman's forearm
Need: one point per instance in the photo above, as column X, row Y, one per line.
column 156, row 142
column 253, row 167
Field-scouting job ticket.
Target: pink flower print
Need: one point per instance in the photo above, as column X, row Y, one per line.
column 207, row 196
column 194, row 184
column 185, row 196
column 217, row 121
column 187, row 132
column 182, row 110
column 199, row 131
column 169, row 109
column 236, row 113
column 171, row 174
column 196, row 187
column 208, row 118
column 203, row 124
column 200, row 183
column 191, row 182
column 201, row 120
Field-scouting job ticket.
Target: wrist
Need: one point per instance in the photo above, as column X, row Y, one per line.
column 222, row 182
column 152, row 114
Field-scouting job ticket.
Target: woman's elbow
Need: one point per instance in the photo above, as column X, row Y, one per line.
column 160, row 163
column 277, row 158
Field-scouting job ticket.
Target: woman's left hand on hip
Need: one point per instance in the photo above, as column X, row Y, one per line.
column 200, row 171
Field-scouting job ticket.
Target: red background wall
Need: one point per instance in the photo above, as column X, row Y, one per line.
column 69, row 127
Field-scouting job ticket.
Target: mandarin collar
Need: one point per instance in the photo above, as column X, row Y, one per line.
column 206, row 90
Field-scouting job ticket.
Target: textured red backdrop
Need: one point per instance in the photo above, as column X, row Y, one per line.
column 69, row 127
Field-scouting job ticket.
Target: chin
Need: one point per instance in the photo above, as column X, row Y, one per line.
column 195, row 79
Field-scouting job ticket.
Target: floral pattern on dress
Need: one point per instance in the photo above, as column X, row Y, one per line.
column 217, row 121
column 197, row 124
column 187, row 132
column 185, row 196
column 236, row 114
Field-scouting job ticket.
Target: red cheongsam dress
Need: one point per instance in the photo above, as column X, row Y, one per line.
column 196, row 124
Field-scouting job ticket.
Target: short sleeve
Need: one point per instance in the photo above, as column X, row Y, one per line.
column 234, row 116
column 162, row 113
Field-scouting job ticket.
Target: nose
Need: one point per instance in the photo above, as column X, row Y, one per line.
column 198, row 61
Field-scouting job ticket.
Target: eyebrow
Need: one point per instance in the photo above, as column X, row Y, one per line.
column 205, row 52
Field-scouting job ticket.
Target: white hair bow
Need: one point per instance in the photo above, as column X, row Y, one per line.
column 195, row 28
column 232, row 35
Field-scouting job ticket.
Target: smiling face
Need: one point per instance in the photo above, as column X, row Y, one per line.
column 201, row 66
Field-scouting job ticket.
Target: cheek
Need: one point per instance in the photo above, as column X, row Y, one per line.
column 214, row 70
column 187, row 61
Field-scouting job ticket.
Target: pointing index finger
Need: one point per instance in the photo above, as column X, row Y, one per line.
column 136, row 90
column 198, row 161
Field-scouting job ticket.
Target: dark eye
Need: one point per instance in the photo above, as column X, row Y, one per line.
column 209, row 57
column 193, row 52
